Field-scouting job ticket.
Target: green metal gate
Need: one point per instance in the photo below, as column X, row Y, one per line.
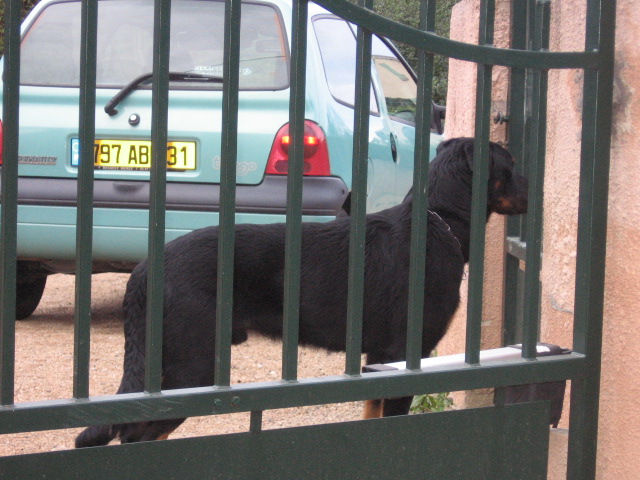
column 499, row 442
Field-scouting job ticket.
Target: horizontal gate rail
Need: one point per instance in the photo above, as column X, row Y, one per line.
column 269, row 455
column 488, row 55
column 282, row 394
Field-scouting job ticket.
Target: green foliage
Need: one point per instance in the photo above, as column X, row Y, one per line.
column 27, row 5
column 408, row 13
column 437, row 402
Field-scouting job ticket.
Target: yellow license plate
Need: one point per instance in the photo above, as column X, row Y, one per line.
column 136, row 155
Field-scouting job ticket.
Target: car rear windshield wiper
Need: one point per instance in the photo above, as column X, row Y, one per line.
column 110, row 107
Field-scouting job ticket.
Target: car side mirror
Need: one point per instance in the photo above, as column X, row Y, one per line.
column 438, row 114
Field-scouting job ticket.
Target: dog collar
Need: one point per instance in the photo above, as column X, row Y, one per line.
column 448, row 227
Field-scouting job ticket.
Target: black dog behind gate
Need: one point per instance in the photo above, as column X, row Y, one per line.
column 190, row 284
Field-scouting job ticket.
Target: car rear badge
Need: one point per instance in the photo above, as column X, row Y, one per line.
column 37, row 160
column 242, row 168
column 134, row 119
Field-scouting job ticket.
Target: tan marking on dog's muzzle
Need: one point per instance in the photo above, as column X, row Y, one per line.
column 165, row 436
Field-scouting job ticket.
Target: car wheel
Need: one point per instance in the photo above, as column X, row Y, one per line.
column 28, row 295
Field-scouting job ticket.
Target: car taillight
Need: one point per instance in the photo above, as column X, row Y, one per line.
column 316, row 154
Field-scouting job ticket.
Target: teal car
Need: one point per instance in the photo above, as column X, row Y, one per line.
column 49, row 145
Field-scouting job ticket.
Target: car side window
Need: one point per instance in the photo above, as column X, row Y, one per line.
column 398, row 85
column 338, row 50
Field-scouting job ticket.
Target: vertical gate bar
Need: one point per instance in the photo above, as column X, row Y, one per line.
column 229, row 153
column 9, row 199
column 592, row 236
column 479, row 191
column 517, row 103
column 255, row 421
column 84, row 223
column 531, row 320
column 357, row 233
column 528, row 89
column 291, row 312
column 510, row 314
column 420, row 204
column 516, row 127
column 157, row 200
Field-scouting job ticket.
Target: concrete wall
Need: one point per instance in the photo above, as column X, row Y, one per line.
column 619, row 443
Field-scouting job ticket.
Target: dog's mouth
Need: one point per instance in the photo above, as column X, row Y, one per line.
column 510, row 206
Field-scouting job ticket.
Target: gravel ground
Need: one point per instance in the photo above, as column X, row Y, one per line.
column 44, row 367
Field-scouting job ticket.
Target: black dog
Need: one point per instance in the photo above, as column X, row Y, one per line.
column 190, row 284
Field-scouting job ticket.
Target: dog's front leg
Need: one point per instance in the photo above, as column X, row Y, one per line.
column 396, row 406
column 389, row 407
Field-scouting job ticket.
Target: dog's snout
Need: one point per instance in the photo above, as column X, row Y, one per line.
column 511, row 196
column 520, row 199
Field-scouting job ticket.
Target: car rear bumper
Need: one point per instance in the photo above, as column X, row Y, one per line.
column 320, row 195
column 47, row 235
column 47, row 226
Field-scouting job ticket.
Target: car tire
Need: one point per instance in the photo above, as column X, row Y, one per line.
column 28, row 295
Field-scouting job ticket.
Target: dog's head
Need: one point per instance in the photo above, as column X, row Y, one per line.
column 451, row 178
column 507, row 189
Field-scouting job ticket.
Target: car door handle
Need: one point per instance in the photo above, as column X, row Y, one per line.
column 394, row 147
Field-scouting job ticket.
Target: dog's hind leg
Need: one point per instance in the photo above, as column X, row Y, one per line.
column 147, row 431
column 95, row 435
column 388, row 407
column 372, row 409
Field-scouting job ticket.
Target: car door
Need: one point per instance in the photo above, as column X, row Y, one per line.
column 337, row 43
column 397, row 91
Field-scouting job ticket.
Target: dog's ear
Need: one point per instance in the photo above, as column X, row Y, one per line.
column 468, row 149
column 500, row 156
column 496, row 151
column 445, row 144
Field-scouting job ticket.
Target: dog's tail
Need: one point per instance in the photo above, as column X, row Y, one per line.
column 95, row 435
column 134, row 308
column 98, row 435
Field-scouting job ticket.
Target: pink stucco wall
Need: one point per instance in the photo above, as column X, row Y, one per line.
column 619, row 442
column 460, row 122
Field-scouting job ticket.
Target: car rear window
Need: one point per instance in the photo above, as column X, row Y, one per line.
column 50, row 49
